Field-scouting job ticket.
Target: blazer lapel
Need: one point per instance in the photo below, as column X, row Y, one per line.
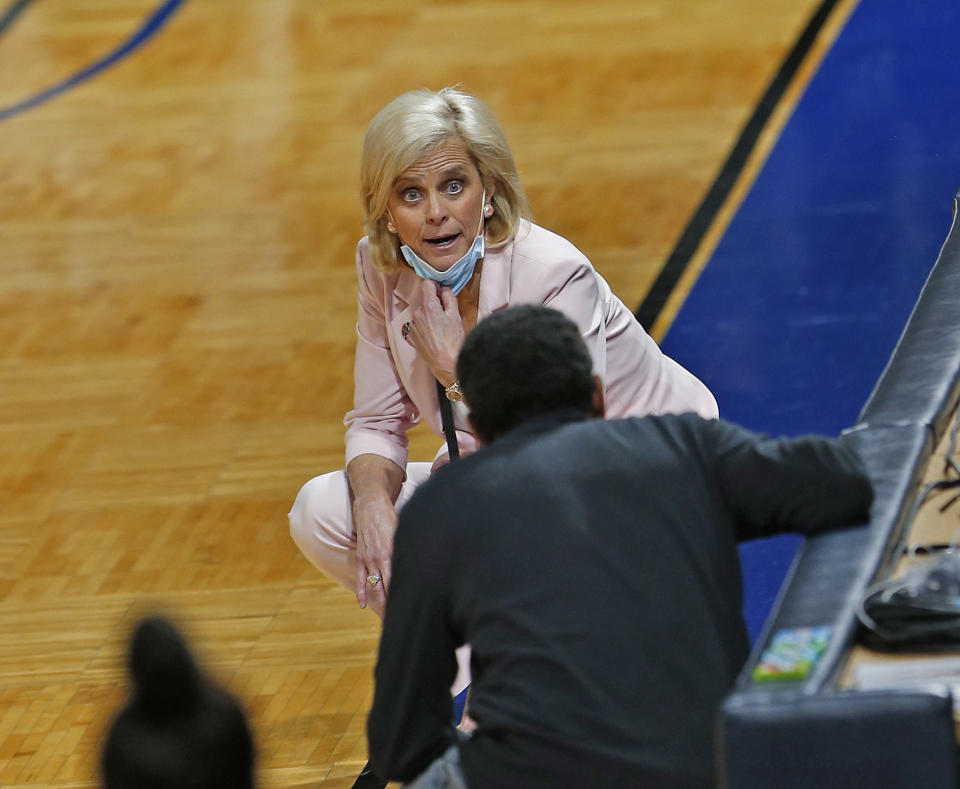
column 406, row 298
column 413, row 371
column 495, row 280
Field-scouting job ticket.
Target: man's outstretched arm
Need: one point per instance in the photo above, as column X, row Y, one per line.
column 804, row 485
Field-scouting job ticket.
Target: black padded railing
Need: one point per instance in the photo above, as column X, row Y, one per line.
column 900, row 425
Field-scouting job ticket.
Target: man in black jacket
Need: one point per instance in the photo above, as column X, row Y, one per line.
column 593, row 567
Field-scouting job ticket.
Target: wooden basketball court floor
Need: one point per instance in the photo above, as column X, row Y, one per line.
column 177, row 305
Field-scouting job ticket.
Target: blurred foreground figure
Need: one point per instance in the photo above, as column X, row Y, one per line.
column 179, row 730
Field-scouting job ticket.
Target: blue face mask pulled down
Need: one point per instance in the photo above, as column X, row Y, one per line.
column 458, row 275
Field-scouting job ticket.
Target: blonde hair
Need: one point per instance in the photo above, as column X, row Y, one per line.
column 404, row 130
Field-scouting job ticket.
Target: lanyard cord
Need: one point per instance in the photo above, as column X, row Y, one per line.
column 446, row 419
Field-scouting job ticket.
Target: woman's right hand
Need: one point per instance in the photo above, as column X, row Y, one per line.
column 374, row 486
column 375, row 521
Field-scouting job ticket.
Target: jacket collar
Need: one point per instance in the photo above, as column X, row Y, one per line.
column 495, row 280
column 406, row 289
column 543, row 423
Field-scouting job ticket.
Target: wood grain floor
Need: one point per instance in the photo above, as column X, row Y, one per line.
column 177, row 304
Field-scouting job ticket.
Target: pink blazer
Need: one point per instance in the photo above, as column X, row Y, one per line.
column 394, row 388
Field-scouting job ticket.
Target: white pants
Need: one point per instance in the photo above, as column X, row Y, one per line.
column 321, row 524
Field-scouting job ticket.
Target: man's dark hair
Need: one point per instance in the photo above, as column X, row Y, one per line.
column 520, row 363
column 179, row 730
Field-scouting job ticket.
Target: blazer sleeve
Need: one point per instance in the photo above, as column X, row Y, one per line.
column 382, row 411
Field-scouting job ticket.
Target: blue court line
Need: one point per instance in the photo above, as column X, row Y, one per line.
column 147, row 29
column 11, row 14
column 801, row 304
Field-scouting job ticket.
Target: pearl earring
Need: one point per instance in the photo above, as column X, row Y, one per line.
column 391, row 227
column 488, row 210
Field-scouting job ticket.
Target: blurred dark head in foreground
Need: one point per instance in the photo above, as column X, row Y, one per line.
column 179, row 730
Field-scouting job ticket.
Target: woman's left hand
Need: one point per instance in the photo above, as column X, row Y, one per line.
column 436, row 330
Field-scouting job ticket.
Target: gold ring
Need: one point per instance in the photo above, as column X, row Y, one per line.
column 373, row 580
